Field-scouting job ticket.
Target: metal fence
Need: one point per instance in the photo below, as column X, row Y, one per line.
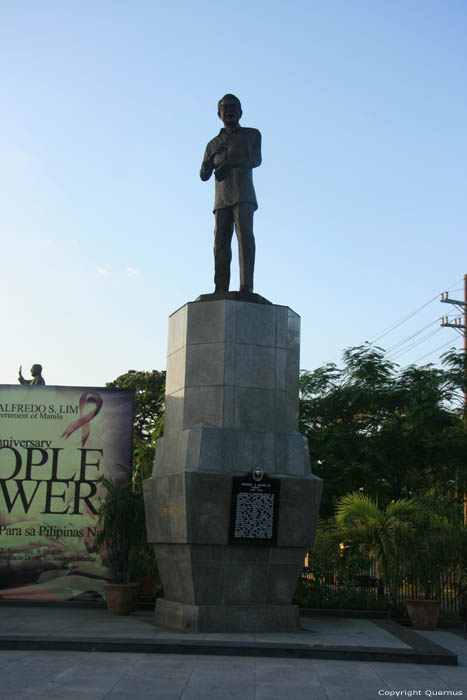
column 365, row 581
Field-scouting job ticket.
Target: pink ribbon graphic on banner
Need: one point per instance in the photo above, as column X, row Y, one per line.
column 84, row 421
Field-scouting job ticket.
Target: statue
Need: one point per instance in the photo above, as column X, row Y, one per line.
column 232, row 155
column 37, row 378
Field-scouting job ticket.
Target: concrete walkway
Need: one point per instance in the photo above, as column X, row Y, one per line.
column 202, row 671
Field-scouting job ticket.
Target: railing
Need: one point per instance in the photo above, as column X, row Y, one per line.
column 366, row 581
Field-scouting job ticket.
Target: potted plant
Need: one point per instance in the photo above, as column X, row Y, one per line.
column 121, row 522
column 142, row 562
column 432, row 551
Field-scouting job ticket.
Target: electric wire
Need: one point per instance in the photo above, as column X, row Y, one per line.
column 432, row 351
column 402, row 351
column 403, row 320
column 409, row 337
column 397, row 351
column 406, row 318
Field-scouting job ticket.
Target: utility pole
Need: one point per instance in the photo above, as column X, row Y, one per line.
column 460, row 325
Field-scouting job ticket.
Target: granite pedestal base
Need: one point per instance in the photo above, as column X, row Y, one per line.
column 228, row 618
column 231, row 408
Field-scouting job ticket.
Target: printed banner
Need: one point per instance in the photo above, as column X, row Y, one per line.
column 55, row 443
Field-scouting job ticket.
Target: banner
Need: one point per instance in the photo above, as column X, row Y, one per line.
column 55, row 443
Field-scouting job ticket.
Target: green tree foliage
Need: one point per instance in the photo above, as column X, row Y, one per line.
column 456, row 376
column 380, row 533
column 421, row 541
column 149, row 388
column 386, row 431
column 436, row 549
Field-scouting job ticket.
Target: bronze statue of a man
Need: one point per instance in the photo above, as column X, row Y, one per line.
column 232, row 154
column 36, row 373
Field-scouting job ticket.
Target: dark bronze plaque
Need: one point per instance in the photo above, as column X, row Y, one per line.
column 255, row 509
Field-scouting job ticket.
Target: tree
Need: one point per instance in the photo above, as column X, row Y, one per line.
column 376, row 532
column 149, row 388
column 456, row 376
column 436, row 549
column 387, row 431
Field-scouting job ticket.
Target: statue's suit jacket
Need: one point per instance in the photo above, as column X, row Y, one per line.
column 234, row 179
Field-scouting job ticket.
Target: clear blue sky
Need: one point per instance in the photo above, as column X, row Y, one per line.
column 106, row 228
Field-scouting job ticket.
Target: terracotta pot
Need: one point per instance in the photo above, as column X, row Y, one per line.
column 120, row 597
column 423, row 614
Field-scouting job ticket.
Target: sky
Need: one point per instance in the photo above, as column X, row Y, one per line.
column 106, row 228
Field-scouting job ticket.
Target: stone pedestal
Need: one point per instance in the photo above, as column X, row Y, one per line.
column 231, row 407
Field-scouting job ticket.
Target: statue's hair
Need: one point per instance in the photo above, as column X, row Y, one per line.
column 38, row 366
column 230, row 98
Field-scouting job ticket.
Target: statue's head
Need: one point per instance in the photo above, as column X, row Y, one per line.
column 229, row 110
column 36, row 370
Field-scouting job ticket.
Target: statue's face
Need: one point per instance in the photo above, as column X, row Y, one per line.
column 230, row 112
column 36, row 370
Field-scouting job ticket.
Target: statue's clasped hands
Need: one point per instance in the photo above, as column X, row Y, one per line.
column 220, row 157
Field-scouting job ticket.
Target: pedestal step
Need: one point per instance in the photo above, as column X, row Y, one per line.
column 228, row 618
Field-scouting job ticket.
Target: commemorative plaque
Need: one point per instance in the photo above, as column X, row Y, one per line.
column 255, row 509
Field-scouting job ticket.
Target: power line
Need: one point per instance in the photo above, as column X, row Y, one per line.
column 403, row 320
column 409, row 337
column 418, row 342
column 456, row 290
column 432, row 351
column 398, row 350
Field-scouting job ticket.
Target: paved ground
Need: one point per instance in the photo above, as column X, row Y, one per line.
column 88, row 622
column 84, row 675
column 116, row 676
